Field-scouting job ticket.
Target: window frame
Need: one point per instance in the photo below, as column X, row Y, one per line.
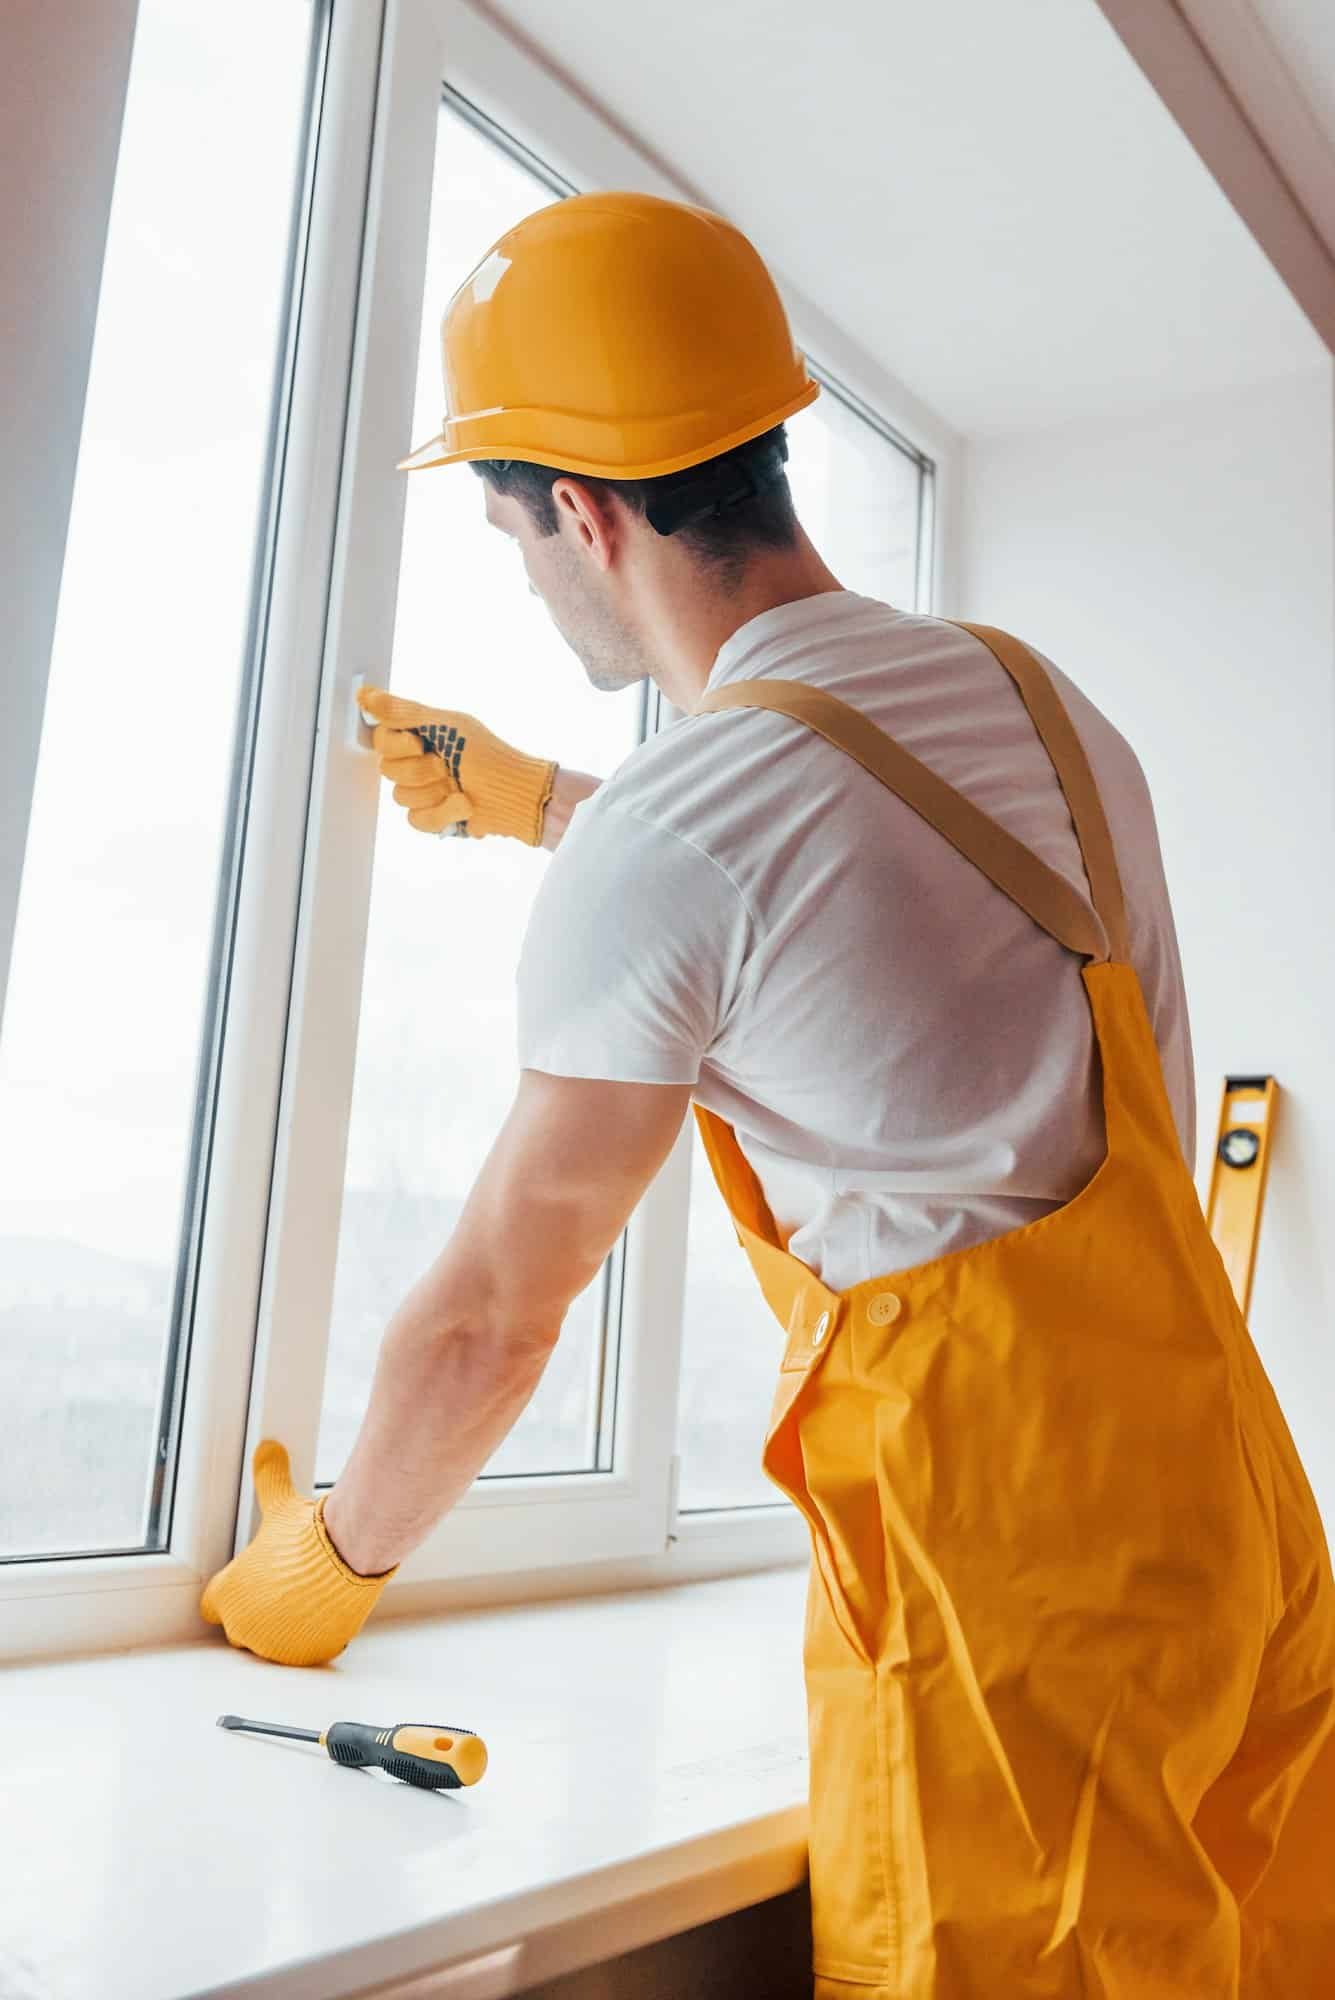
column 268, row 1232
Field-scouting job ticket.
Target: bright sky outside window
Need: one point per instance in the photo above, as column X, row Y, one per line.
column 102, row 1024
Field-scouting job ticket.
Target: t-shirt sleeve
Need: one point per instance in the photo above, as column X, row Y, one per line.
column 635, row 948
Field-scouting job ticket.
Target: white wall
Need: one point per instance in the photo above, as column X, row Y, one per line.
column 1181, row 568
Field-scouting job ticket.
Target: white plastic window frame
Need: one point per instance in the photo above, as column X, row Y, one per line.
column 268, row 1235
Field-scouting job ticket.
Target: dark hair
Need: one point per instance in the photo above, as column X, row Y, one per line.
column 723, row 509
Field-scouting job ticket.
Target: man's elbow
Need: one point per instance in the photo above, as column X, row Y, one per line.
column 503, row 1301
column 574, row 1157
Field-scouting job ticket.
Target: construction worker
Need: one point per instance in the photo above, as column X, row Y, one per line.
column 905, row 940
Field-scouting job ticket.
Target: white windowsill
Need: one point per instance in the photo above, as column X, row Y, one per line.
column 648, row 1773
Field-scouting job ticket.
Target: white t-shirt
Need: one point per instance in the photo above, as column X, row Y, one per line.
column 907, row 1059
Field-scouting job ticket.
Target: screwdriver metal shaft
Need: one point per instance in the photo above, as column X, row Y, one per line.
column 267, row 1728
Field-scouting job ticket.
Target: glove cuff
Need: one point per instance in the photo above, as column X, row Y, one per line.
column 517, row 790
column 375, row 1582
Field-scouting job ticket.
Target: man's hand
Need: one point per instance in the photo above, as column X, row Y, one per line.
column 289, row 1596
column 453, row 773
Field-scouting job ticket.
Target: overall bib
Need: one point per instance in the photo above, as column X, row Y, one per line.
column 1070, row 1632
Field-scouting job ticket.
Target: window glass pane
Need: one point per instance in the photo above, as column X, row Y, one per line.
column 112, row 946
column 436, row 1070
column 859, row 497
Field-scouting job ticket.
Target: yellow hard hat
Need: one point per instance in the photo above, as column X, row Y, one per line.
column 618, row 335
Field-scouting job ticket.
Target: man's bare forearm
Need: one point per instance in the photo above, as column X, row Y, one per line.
column 441, row 1403
column 568, row 788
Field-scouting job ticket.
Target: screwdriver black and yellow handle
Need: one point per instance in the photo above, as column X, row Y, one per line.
column 417, row 1752
column 432, row 1755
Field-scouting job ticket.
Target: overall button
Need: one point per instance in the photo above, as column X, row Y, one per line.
column 820, row 1329
column 885, row 1307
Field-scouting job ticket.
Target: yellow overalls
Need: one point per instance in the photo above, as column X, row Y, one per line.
column 1070, row 1632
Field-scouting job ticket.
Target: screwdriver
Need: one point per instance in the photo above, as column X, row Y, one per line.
column 437, row 1757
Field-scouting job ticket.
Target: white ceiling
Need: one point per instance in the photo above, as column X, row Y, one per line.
column 989, row 198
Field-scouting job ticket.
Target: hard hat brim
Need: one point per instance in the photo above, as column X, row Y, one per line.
column 439, row 450
column 434, row 452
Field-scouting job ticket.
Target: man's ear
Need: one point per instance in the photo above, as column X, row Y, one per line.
column 592, row 516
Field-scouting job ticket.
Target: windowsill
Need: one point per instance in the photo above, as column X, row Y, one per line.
column 648, row 1773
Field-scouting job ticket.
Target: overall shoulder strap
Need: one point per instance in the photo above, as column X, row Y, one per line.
column 1039, row 890
column 1048, row 714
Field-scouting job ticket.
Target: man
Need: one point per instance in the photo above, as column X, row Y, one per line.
column 1070, row 1647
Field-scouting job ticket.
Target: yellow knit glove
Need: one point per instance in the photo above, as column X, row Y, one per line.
column 453, row 774
column 289, row 1596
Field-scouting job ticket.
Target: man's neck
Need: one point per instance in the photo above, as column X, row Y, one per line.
column 695, row 622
